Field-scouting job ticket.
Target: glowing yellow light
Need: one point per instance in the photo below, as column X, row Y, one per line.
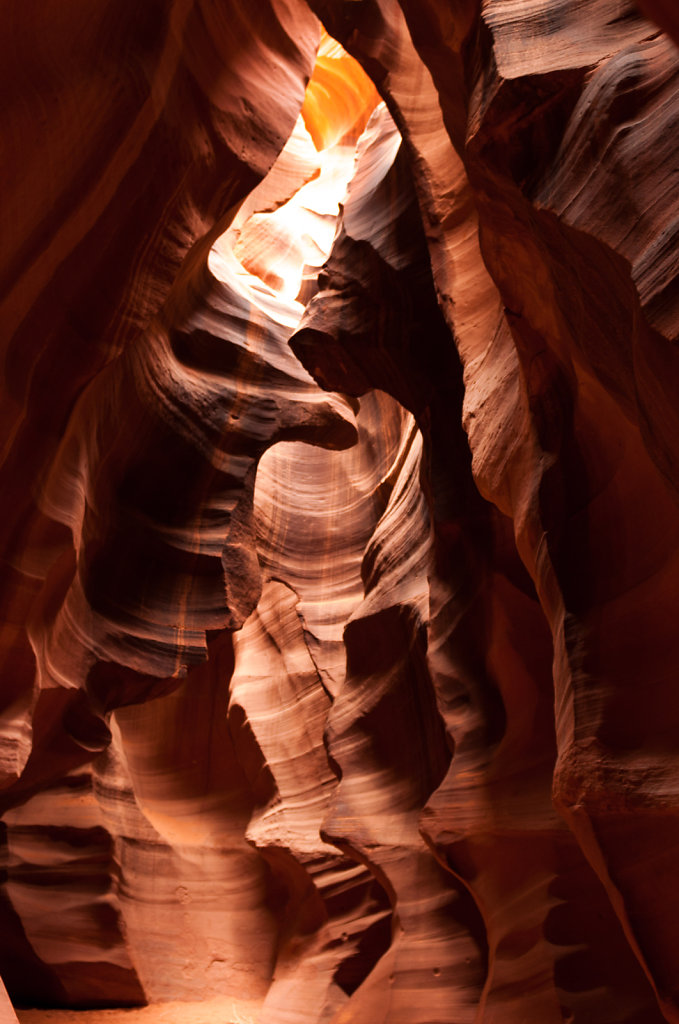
column 282, row 242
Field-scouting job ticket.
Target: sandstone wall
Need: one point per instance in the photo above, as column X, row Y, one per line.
column 337, row 647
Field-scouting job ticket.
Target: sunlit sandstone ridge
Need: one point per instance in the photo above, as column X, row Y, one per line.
column 340, row 463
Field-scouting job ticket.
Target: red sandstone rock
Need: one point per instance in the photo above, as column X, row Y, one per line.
column 384, row 728
column 7, row 1014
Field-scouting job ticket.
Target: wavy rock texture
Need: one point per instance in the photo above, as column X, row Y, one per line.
column 341, row 527
column 111, row 179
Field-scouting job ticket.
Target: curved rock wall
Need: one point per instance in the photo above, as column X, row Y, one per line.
column 338, row 646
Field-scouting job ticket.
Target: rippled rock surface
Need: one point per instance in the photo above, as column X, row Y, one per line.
column 340, row 456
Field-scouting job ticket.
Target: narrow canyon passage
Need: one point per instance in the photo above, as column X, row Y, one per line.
column 341, row 539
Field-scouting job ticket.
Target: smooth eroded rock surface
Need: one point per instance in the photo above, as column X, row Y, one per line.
column 340, row 465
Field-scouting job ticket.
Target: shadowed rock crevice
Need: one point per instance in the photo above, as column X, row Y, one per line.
column 339, row 466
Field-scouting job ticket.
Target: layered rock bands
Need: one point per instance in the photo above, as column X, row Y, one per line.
column 340, row 532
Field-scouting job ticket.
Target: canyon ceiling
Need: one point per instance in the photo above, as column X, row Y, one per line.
column 339, row 657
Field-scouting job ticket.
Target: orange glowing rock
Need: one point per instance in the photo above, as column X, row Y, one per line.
column 339, row 98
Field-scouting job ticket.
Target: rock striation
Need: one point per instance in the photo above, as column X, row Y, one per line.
column 341, row 462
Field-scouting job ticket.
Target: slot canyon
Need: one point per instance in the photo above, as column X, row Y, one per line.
column 339, row 657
